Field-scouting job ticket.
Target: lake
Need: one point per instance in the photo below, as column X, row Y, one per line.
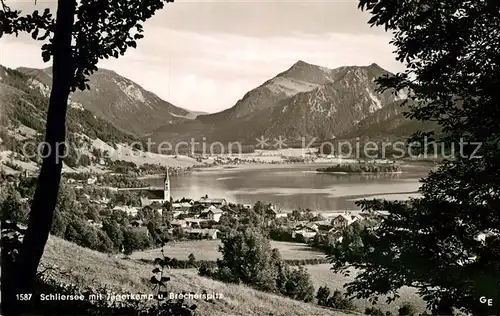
column 293, row 186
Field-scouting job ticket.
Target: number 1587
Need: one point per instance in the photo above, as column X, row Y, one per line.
column 23, row 297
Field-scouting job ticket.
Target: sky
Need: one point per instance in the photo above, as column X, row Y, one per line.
column 205, row 55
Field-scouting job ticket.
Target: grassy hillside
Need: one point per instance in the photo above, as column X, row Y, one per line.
column 84, row 267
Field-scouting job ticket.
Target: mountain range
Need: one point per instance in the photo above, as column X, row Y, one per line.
column 305, row 100
column 117, row 100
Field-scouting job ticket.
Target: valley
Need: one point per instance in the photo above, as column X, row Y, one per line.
column 123, row 140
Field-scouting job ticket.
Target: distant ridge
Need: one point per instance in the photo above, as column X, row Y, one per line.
column 305, row 100
column 118, row 100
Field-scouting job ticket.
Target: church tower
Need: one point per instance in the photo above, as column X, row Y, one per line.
column 166, row 189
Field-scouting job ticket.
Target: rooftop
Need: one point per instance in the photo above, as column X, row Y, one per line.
column 209, row 200
column 213, row 210
column 153, row 194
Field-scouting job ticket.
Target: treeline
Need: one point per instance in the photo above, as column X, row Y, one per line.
column 30, row 110
column 108, row 180
column 361, row 168
column 131, row 169
column 76, row 218
column 247, row 258
column 212, row 265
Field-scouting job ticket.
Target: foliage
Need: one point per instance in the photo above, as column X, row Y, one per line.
column 192, row 260
column 432, row 243
column 206, row 269
column 81, row 34
column 281, row 234
column 123, row 167
column 247, row 258
column 159, row 281
column 12, row 236
column 407, row 309
column 125, row 198
column 12, row 208
column 29, row 109
column 100, row 31
column 301, row 215
column 210, row 265
column 362, row 168
column 336, row 301
column 299, row 285
column 247, row 254
column 113, row 231
column 134, row 240
column 322, row 295
column 374, row 312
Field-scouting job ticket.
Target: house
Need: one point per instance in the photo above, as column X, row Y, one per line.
column 196, row 222
column 157, row 195
column 179, row 223
column 357, row 217
column 203, row 233
column 231, row 211
column 154, row 207
column 305, row 232
column 271, row 213
column 336, row 234
column 206, row 202
column 281, row 215
column 130, row 210
column 137, row 223
column 94, row 223
column 183, row 206
column 91, row 180
column 152, row 196
column 342, row 221
column 211, row 213
column 102, row 201
column 176, row 214
column 323, row 226
column 311, row 225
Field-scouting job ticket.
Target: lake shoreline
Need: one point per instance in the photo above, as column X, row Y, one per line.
column 289, row 187
column 363, row 172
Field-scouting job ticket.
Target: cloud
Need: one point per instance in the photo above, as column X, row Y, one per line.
column 211, row 71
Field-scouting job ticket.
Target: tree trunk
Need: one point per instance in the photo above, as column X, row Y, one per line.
column 23, row 279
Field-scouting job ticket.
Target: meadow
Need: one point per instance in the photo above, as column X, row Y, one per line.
column 72, row 264
column 208, row 250
column 322, row 275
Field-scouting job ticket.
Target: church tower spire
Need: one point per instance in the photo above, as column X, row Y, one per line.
column 166, row 189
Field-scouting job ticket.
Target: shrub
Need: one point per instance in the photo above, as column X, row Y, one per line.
column 206, row 269
column 375, row 312
column 407, row 309
column 159, row 281
column 323, row 294
column 338, row 301
column 299, row 285
column 192, row 260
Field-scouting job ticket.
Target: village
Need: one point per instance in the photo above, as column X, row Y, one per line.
column 201, row 218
